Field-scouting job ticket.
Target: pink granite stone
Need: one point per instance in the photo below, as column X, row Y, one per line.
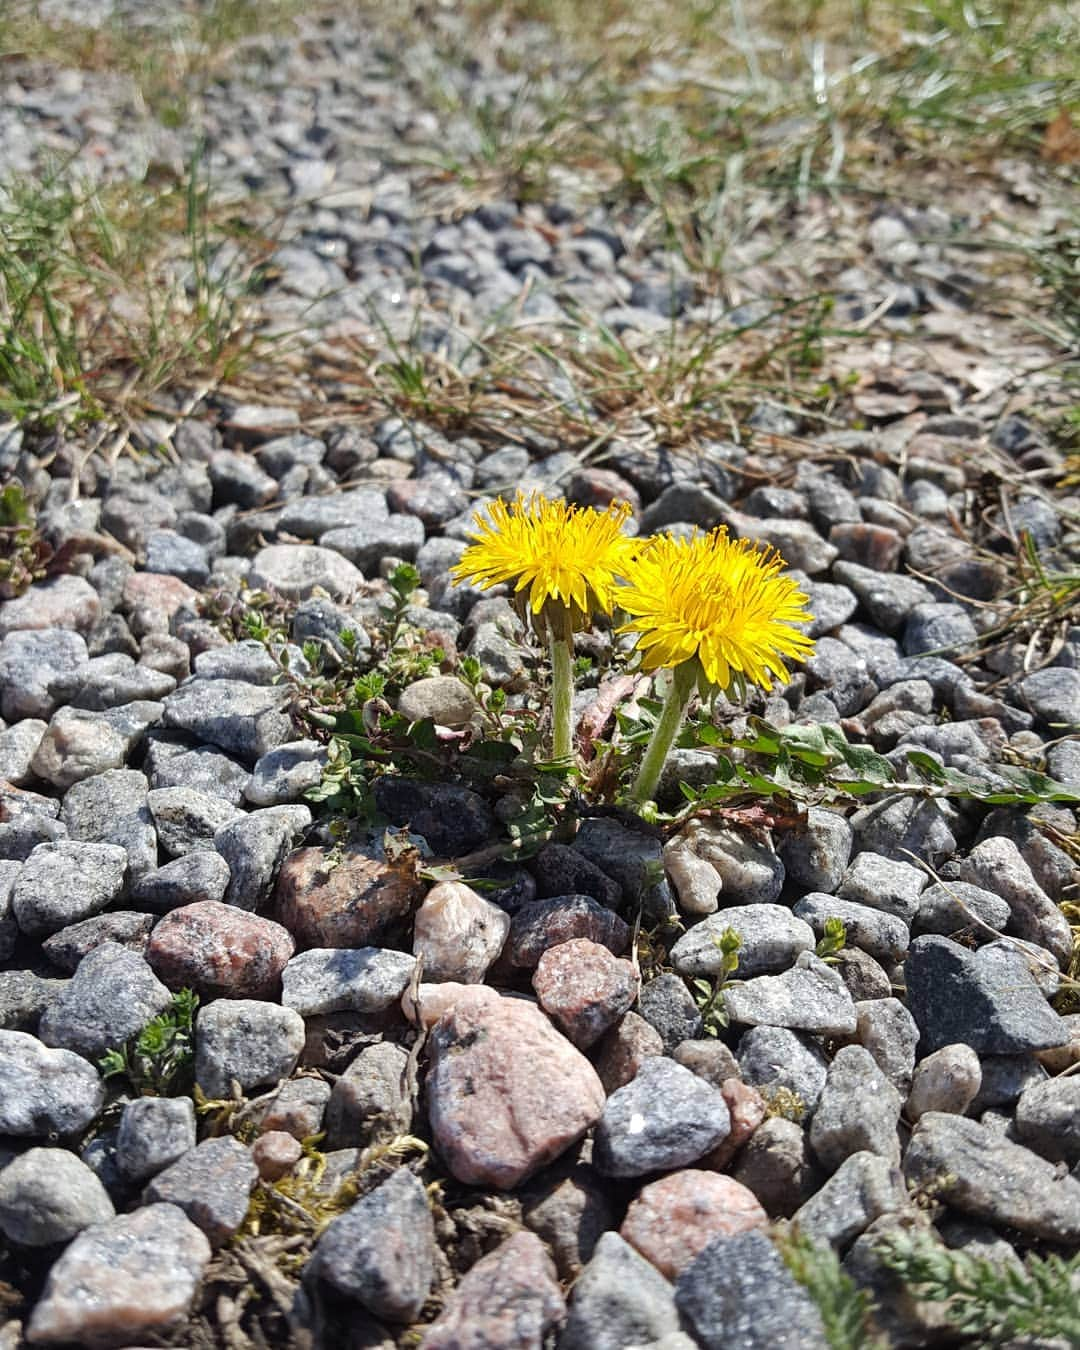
column 584, row 988
column 219, row 951
column 674, row 1218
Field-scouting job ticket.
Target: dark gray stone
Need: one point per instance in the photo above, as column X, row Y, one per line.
column 739, row 1292
column 619, row 1300
column 382, row 1252
column 858, row 1111
column 110, row 998
column 669, row 1008
column 774, row 1057
column 187, row 820
column 975, row 1171
column 154, row 1133
column 986, row 998
column 197, row 876
column 212, row 1184
column 254, row 846
column 127, row 927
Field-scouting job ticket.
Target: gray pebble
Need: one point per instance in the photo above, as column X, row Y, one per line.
column 862, row 1188
column 809, row 997
column 254, row 846
column 110, row 998
column 197, row 876
column 881, row 935
column 666, row 1118
column 363, row 979
column 858, row 1111
column 244, row 1039
column 47, row 1195
column 45, row 1091
column 772, row 937
column 61, row 883
column 619, row 1299
column 212, row 1184
column 153, row 1133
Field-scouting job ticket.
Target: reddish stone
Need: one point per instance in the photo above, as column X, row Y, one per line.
column 276, row 1154
column 584, row 988
column 673, row 1219
column 623, row 1049
column 352, row 904
column 219, row 951
column 158, row 591
column 875, row 546
column 746, row 1107
column 509, row 1298
column 506, row 1092
column 599, row 488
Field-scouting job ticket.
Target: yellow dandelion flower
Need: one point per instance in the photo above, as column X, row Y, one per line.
column 562, row 561
column 722, row 602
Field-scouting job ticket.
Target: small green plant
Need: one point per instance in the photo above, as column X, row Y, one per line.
column 158, row 1061
column 22, row 550
column 832, row 941
column 995, row 1302
column 709, row 994
column 845, row 1308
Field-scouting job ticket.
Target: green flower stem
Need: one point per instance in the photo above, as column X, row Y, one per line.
column 562, row 697
column 683, row 679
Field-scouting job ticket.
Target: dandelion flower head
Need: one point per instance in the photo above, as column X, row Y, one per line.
column 552, row 554
column 721, row 601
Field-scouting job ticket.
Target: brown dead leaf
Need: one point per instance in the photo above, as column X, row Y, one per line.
column 1061, row 140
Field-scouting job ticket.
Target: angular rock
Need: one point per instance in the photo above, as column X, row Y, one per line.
column 356, row 903
column 739, row 1292
column 889, row 1032
column 371, row 1099
column 584, row 989
column 61, row 883
column 666, row 1118
column 382, row 1251
column 750, row 872
column 816, row 855
column 187, row 820
column 212, row 1184
column 219, row 951
column 568, row 1208
column 809, row 997
column 80, row 744
column 861, row 1189
column 341, row 979
column 950, row 907
column 776, row 1166
column 620, row 1053
column 29, row 661
column 109, row 999
column 541, row 924
column 452, row 819
column 880, row 935
column 18, row 745
column 286, row 774
column 509, row 1297
column 123, row 1281
column 154, row 1132
column 457, row 933
column 631, row 859
column 111, row 808
column 241, row 719
column 255, row 846
column 184, row 881
column 129, row 928
column 62, row 602
column 506, row 1092
column 619, row 1300
column 987, row 999
column 255, row 1043
column 858, row 1111
column 1048, row 1119
column 897, row 827
column 43, row 1091
column 47, row 1195
column 771, row 1058
column 771, row 940
column 998, row 865
column 669, row 1008
column 977, row 1172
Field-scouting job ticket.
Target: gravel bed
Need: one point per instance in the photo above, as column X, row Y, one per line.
column 542, row 1145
